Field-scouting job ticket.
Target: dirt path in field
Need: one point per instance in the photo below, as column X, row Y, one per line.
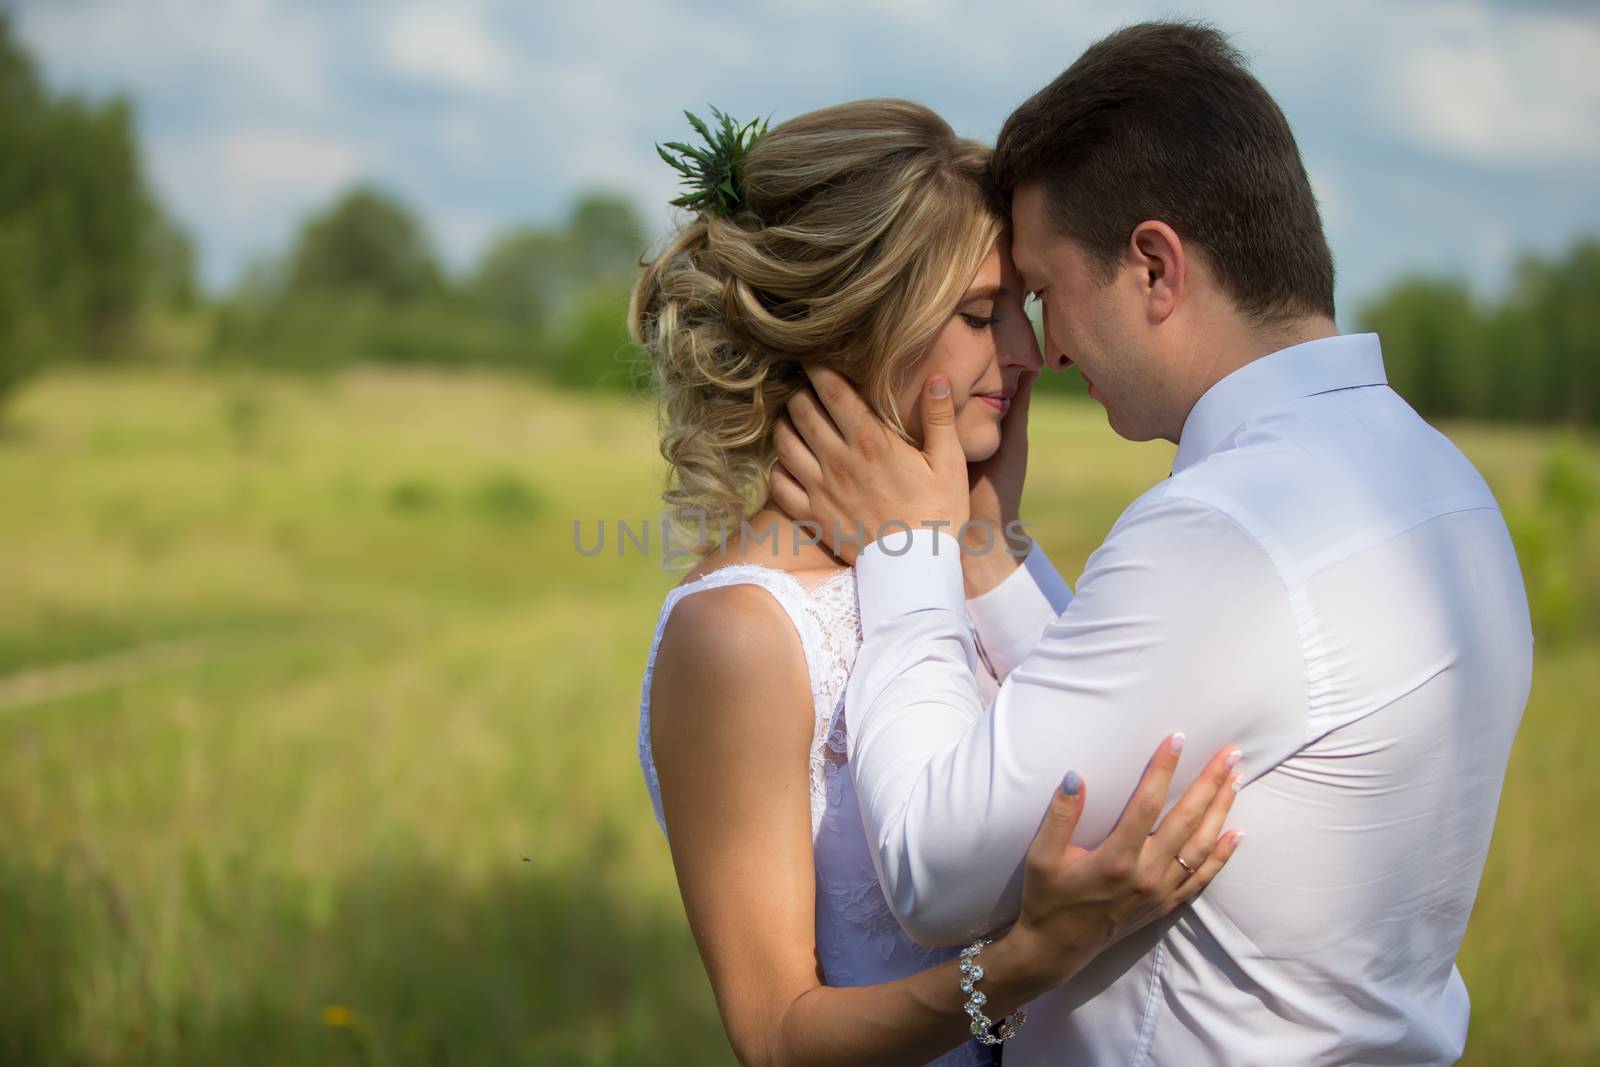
column 60, row 681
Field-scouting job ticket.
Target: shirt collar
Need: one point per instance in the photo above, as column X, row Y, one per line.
column 1342, row 362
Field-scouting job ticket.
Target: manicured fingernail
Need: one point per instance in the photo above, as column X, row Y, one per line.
column 939, row 388
column 1175, row 745
column 1238, row 835
column 1235, row 784
column 1071, row 784
column 1234, row 757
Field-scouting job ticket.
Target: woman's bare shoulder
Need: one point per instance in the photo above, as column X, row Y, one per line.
column 738, row 636
column 728, row 627
column 730, row 683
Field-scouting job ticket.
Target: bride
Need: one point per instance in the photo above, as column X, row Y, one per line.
column 858, row 238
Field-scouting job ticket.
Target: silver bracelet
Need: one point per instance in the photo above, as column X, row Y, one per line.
column 971, row 973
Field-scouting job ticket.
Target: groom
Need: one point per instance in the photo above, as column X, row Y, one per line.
column 1324, row 581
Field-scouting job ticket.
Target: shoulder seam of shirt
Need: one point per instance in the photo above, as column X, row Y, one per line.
column 1243, row 519
column 1294, row 595
column 1295, row 574
column 1223, row 506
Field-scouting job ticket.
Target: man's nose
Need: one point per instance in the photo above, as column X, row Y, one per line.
column 1058, row 361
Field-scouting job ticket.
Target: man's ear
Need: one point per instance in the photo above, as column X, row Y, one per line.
column 1157, row 251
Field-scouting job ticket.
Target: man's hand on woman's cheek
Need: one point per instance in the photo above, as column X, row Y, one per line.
column 841, row 468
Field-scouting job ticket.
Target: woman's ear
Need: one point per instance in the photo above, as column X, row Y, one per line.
column 1157, row 250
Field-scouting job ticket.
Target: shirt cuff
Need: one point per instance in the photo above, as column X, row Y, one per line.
column 1011, row 617
column 909, row 570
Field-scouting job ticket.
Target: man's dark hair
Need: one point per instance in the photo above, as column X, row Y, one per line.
column 1162, row 120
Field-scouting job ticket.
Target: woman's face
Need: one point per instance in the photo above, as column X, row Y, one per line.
column 984, row 350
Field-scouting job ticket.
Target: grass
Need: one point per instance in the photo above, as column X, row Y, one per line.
column 317, row 734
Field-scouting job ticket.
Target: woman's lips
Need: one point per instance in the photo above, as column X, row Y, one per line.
column 999, row 402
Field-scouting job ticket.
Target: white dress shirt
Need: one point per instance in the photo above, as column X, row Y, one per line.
column 1325, row 582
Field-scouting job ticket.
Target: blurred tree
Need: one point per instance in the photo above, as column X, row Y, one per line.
column 367, row 242
column 1434, row 346
column 22, row 108
column 1555, row 308
column 532, row 277
column 523, row 276
column 96, row 214
column 169, row 279
column 75, row 221
column 563, row 293
column 24, row 326
column 593, row 349
column 1533, row 356
column 607, row 237
column 265, row 278
column 361, row 283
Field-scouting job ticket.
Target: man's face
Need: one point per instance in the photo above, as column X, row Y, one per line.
column 1096, row 324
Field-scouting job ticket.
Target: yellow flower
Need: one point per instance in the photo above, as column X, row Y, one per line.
column 338, row 1015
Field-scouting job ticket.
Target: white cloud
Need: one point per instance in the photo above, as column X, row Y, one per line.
column 451, row 46
column 243, row 174
column 460, row 235
column 274, row 51
column 1501, row 90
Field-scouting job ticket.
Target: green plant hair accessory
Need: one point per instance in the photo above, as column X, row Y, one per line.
column 714, row 175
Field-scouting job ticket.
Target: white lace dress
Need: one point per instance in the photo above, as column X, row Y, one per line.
column 859, row 942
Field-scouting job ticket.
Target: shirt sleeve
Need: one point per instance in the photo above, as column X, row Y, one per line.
column 1180, row 622
column 1010, row 618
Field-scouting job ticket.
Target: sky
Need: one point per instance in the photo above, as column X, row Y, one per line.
column 1442, row 136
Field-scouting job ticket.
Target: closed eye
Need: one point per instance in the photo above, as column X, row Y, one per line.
column 979, row 322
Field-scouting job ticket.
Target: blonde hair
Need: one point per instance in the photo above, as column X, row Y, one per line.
column 862, row 226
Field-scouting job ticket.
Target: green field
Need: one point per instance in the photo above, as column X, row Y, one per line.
column 317, row 734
